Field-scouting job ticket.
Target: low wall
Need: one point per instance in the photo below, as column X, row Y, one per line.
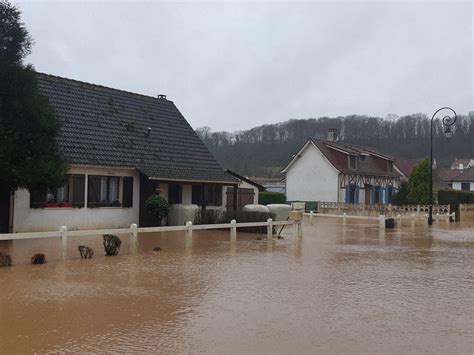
column 374, row 210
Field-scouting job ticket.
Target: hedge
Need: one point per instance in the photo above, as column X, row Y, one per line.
column 454, row 198
column 267, row 198
column 217, row 217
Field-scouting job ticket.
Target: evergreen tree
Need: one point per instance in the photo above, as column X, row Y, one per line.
column 419, row 184
column 29, row 153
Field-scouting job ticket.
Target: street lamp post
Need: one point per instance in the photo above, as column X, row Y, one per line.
column 448, row 121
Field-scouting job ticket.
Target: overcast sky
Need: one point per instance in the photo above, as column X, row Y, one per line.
column 236, row 65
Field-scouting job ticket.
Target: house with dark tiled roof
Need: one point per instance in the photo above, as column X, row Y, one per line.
column 121, row 148
column 463, row 181
column 332, row 171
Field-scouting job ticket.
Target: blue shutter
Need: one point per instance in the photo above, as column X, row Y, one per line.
column 347, row 193
column 382, row 196
column 372, row 197
column 357, row 195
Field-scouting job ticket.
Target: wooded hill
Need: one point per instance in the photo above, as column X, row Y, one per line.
column 264, row 150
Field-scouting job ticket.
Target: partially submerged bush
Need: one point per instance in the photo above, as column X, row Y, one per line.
column 5, row 260
column 38, row 259
column 85, row 252
column 112, row 244
column 208, row 217
column 157, row 207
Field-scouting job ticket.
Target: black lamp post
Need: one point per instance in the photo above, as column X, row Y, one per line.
column 448, row 121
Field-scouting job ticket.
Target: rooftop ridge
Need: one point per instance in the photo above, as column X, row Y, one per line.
column 99, row 86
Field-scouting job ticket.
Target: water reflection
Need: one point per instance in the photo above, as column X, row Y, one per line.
column 343, row 289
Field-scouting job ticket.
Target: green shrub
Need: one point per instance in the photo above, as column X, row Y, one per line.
column 267, row 198
column 454, row 197
column 157, row 207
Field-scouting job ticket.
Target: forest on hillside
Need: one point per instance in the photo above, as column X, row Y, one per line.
column 264, row 150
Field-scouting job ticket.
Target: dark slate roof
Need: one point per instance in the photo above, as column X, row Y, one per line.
column 406, row 165
column 466, row 176
column 337, row 154
column 108, row 127
column 447, row 174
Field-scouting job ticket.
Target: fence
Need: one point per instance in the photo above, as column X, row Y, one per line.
column 378, row 209
column 381, row 218
column 133, row 231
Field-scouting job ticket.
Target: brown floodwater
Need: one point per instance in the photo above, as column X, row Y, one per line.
column 338, row 289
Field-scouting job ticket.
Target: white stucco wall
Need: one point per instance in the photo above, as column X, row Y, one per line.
column 26, row 219
column 312, row 178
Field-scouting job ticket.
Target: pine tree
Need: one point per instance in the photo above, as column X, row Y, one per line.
column 29, row 153
column 419, row 184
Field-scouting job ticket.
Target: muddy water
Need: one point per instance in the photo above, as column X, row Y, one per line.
column 336, row 290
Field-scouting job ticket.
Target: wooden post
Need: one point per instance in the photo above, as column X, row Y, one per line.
column 311, row 217
column 236, row 195
column 413, row 220
column 133, row 238
column 189, row 234
column 269, row 230
column 382, row 221
column 299, row 228
column 63, row 238
column 399, row 220
column 344, row 217
column 233, row 231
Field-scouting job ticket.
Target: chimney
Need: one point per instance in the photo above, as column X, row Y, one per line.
column 162, row 97
column 332, row 135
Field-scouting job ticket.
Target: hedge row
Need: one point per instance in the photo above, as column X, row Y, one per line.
column 454, row 198
column 217, row 217
column 267, row 198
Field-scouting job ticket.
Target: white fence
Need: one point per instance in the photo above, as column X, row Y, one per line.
column 381, row 218
column 133, row 231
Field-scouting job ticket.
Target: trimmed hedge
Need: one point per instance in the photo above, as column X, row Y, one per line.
column 216, row 217
column 454, row 198
column 267, row 198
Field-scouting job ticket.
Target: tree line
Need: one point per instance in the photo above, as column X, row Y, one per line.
column 265, row 150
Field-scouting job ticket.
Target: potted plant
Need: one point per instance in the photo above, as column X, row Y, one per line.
column 157, row 207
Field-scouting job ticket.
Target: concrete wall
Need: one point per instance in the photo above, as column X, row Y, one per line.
column 312, row 178
column 26, row 219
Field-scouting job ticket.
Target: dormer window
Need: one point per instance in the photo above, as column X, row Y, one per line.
column 363, row 157
column 352, row 162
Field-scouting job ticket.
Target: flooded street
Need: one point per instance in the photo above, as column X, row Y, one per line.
column 335, row 290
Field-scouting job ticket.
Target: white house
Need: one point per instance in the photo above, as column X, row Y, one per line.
column 333, row 171
column 122, row 147
column 463, row 181
column 461, row 164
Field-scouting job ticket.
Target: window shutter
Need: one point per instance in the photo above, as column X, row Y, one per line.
column 356, row 195
column 347, row 194
column 78, row 190
column 127, row 200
